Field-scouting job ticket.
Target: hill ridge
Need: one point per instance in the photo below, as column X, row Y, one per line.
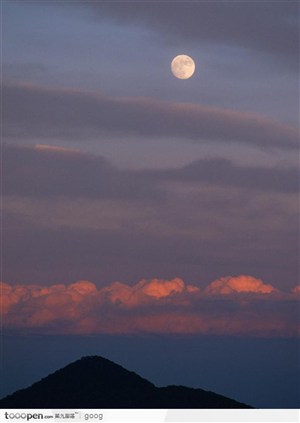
column 97, row 382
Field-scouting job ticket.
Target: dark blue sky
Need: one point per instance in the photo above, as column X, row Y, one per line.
column 260, row 372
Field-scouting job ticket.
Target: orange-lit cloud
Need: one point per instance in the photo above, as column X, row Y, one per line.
column 229, row 284
column 242, row 307
column 146, row 291
column 296, row 289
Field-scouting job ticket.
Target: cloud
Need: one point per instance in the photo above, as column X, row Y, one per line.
column 242, row 283
column 266, row 28
column 151, row 306
column 296, row 289
column 223, row 172
column 55, row 148
column 46, row 171
column 31, row 111
column 73, row 213
column 146, row 291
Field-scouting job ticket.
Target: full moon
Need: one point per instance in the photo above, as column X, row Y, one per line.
column 183, row 66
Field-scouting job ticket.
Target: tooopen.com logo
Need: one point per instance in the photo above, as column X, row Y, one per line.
column 23, row 416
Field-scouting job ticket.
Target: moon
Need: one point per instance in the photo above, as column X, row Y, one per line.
column 183, row 66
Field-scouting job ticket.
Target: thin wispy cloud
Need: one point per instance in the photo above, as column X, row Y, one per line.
column 33, row 111
column 45, row 171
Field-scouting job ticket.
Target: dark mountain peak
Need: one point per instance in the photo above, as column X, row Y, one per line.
column 96, row 370
column 96, row 382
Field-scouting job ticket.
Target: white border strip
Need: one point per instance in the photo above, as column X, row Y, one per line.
column 150, row 415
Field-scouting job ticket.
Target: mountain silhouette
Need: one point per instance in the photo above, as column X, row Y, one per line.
column 95, row 382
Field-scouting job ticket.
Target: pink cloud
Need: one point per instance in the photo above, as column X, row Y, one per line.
column 296, row 289
column 146, row 291
column 159, row 288
column 155, row 306
column 242, row 283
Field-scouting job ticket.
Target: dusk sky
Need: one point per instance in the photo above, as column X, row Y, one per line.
column 138, row 204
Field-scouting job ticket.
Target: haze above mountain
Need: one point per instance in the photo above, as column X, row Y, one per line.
column 95, row 382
